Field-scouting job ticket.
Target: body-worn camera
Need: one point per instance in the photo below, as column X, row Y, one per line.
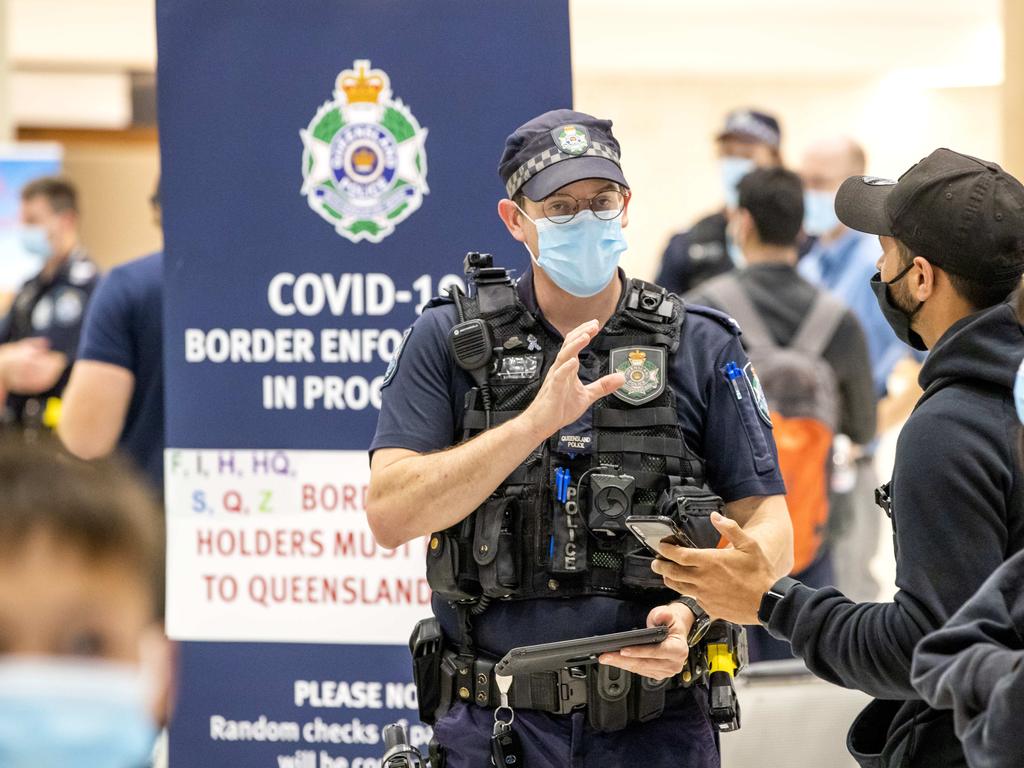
column 611, row 502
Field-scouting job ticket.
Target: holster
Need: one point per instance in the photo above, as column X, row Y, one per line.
column 427, row 647
column 692, row 506
column 617, row 698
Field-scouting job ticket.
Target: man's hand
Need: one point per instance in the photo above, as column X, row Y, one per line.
column 668, row 657
column 563, row 398
column 728, row 583
column 28, row 367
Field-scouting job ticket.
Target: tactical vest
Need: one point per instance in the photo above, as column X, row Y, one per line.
column 555, row 526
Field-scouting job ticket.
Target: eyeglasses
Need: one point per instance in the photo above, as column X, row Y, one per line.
column 561, row 208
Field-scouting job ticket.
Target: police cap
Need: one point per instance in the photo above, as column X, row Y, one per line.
column 558, row 148
column 963, row 214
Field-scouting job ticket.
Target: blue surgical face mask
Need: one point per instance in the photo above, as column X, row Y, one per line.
column 1018, row 393
column 36, row 242
column 819, row 212
column 731, row 170
column 87, row 714
column 582, row 255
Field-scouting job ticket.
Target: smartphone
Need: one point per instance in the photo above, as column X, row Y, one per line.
column 653, row 530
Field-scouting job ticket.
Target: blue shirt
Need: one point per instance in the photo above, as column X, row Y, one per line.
column 124, row 327
column 422, row 411
column 845, row 268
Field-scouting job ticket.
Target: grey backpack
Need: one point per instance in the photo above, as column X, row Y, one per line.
column 802, row 398
column 797, row 381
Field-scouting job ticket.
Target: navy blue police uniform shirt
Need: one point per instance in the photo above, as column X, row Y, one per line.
column 422, row 410
column 124, row 327
column 53, row 311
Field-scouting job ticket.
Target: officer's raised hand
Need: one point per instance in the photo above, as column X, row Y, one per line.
column 563, row 398
column 668, row 657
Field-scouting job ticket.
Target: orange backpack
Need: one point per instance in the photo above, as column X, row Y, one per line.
column 802, row 399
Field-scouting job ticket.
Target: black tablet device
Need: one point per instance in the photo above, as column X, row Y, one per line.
column 549, row 657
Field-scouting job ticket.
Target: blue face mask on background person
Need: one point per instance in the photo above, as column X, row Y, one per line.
column 731, row 171
column 35, row 242
column 582, row 255
column 57, row 713
column 1018, row 393
column 819, row 212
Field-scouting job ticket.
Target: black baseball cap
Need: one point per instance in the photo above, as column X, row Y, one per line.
column 558, row 148
column 962, row 214
column 752, row 125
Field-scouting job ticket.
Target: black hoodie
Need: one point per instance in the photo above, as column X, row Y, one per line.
column 958, row 513
column 975, row 666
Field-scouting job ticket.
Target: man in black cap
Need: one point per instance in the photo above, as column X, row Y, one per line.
column 749, row 139
column 520, row 425
column 952, row 237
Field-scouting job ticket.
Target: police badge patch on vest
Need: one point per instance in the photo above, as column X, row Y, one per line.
column 68, row 306
column 389, row 374
column 644, row 369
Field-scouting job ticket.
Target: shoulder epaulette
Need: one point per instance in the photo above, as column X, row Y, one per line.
column 719, row 317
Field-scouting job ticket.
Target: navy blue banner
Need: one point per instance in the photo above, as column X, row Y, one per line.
column 238, row 82
column 326, row 166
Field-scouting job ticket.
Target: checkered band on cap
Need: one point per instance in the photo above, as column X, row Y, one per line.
column 549, row 157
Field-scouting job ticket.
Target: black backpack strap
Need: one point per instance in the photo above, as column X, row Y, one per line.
column 728, row 293
column 820, row 326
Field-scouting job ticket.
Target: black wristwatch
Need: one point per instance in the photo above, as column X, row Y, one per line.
column 773, row 597
column 701, row 621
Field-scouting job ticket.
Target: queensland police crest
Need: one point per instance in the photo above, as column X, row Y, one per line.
column 364, row 164
column 644, row 369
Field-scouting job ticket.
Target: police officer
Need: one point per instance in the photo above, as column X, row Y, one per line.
column 39, row 335
column 950, row 231
column 519, row 443
column 749, row 139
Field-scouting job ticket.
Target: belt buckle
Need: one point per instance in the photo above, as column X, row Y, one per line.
column 572, row 689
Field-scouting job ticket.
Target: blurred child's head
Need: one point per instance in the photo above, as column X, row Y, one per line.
column 81, row 579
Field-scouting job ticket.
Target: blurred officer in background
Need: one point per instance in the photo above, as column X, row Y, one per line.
column 749, row 139
column 777, row 310
column 115, row 396
column 952, row 251
column 39, row 336
column 84, row 665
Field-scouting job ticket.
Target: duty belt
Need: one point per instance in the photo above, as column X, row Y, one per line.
column 614, row 697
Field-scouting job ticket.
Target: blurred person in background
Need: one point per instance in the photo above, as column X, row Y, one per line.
column 951, row 232
column 39, row 335
column 749, row 139
column 777, row 309
column 842, row 261
column 115, row 396
column 83, row 661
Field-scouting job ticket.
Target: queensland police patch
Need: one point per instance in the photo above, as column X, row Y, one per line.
column 644, row 369
column 389, row 374
column 571, row 139
column 757, row 393
column 364, row 166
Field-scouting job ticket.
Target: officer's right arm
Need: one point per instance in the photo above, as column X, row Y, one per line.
column 414, row 494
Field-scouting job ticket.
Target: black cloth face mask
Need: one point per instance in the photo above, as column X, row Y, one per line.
column 897, row 317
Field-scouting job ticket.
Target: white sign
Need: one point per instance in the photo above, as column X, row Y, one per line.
column 273, row 545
